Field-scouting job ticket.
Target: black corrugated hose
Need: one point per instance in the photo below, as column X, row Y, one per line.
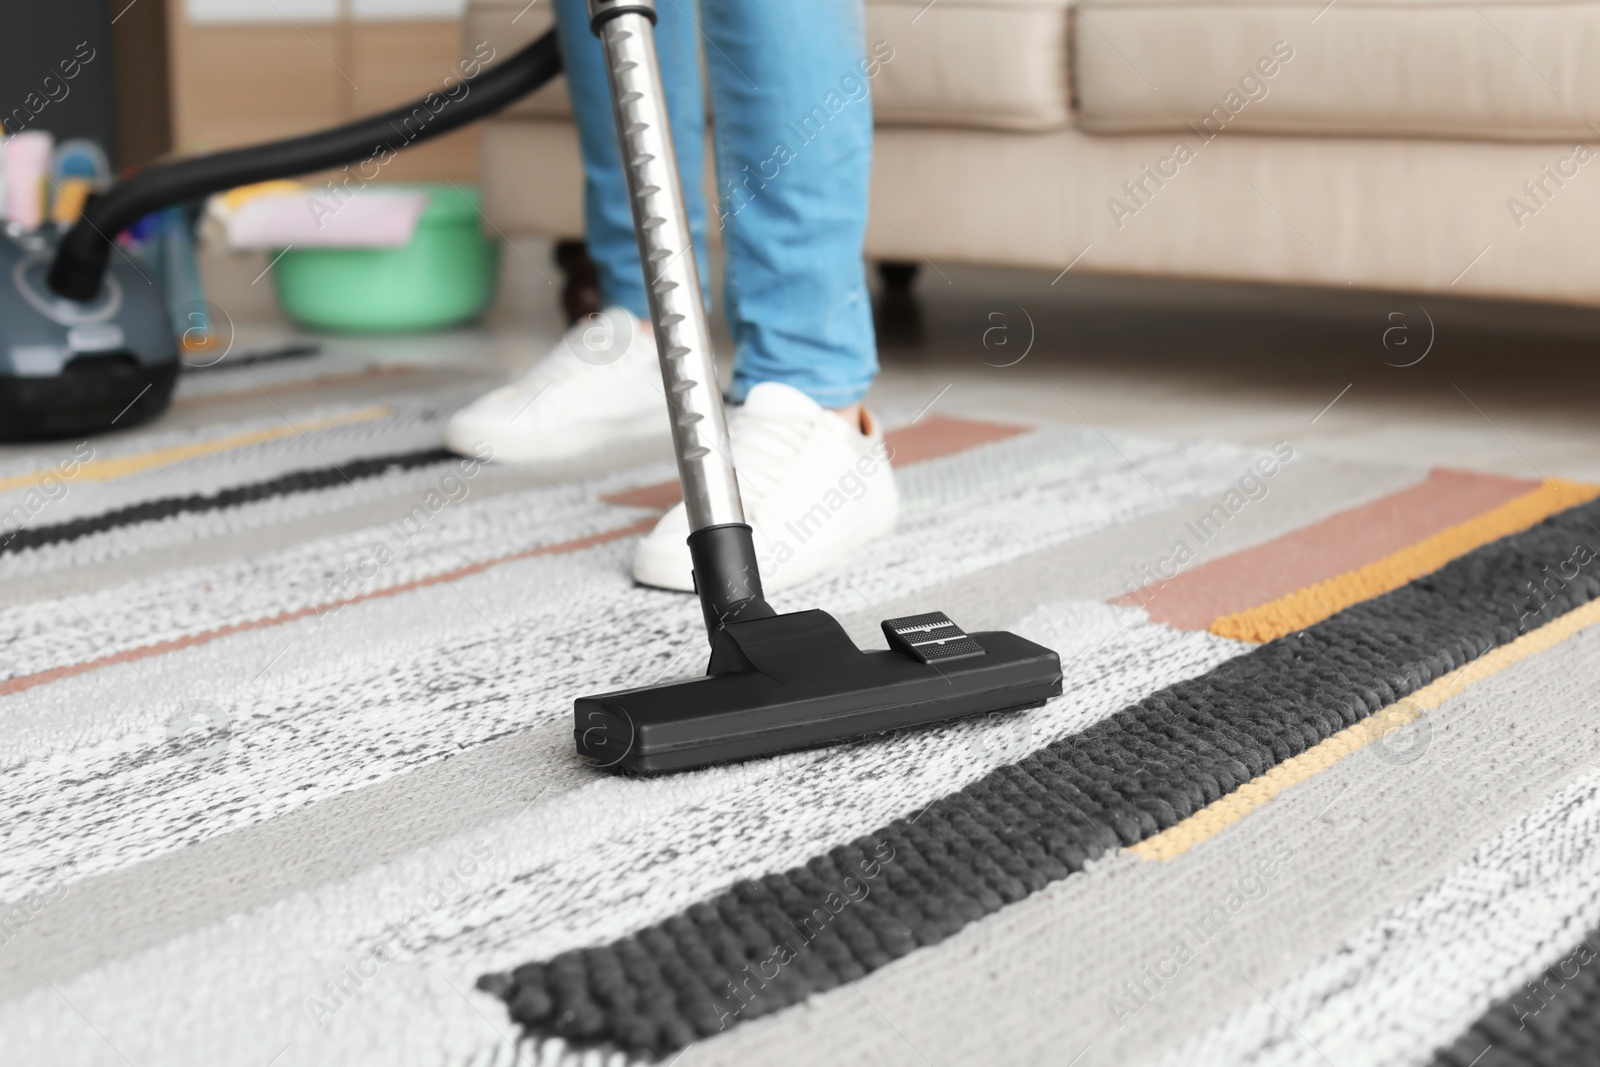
column 85, row 250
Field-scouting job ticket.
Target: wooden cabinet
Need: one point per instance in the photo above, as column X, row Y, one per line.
column 251, row 70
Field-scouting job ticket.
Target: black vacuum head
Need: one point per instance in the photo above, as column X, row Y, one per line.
column 797, row 681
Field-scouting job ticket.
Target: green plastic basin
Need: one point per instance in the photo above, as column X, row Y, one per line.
column 446, row 275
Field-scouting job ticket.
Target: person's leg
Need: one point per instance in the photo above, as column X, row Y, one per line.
column 793, row 128
column 792, row 122
column 608, row 216
column 601, row 383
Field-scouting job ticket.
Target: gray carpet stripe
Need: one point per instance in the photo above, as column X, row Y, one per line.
column 120, row 532
column 412, row 423
column 82, row 498
column 167, row 607
column 1366, row 837
column 1022, row 827
column 1552, row 1021
column 431, row 1015
column 299, row 354
column 157, row 509
column 568, row 869
column 123, row 912
column 333, row 692
column 647, row 461
column 1426, row 969
column 413, row 426
column 119, row 914
column 47, row 634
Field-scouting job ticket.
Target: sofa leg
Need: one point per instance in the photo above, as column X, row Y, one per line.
column 580, row 290
column 898, row 277
column 898, row 316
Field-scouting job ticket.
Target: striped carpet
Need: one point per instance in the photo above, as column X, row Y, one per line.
column 288, row 770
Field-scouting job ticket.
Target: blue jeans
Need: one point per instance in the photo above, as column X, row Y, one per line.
column 793, row 140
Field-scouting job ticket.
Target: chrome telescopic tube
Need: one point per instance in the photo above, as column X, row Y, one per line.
column 677, row 309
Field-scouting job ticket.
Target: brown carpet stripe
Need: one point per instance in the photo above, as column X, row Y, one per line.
column 1194, row 598
column 764, row 945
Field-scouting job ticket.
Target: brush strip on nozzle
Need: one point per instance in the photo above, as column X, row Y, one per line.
column 796, row 681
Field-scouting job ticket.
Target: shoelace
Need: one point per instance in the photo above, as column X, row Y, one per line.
column 765, row 448
column 561, row 370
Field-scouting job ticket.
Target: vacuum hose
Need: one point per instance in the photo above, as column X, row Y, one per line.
column 85, row 250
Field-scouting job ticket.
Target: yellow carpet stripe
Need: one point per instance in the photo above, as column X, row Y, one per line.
column 1211, row 820
column 1314, row 603
column 100, row 470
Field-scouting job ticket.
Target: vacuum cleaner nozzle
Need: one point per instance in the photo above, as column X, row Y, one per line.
column 776, row 682
column 798, row 681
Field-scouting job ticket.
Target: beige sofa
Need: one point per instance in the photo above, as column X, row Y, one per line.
column 1423, row 145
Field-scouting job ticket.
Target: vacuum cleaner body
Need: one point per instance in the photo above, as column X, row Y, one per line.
column 86, row 337
column 70, row 368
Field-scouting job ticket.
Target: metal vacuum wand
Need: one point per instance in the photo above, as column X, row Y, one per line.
column 774, row 682
column 720, row 544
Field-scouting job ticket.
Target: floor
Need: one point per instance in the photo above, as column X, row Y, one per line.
column 304, row 711
column 1348, row 374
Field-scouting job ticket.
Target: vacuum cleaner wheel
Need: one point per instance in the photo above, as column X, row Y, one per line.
column 92, row 394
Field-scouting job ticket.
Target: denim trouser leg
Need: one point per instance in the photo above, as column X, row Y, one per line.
column 792, row 123
column 793, row 135
column 607, row 214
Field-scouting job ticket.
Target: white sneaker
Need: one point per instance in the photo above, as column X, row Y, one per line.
column 601, row 383
column 815, row 488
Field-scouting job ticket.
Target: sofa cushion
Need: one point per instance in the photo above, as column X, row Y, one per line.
column 996, row 64
column 991, row 64
column 1449, row 68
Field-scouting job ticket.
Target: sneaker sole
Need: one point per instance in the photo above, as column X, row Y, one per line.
column 658, row 573
column 593, row 437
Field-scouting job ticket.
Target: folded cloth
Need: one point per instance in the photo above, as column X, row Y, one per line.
column 27, row 161
column 281, row 214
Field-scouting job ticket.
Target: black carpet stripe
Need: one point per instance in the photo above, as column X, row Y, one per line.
column 302, row 481
column 251, row 358
column 764, row 945
column 1553, row 1022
